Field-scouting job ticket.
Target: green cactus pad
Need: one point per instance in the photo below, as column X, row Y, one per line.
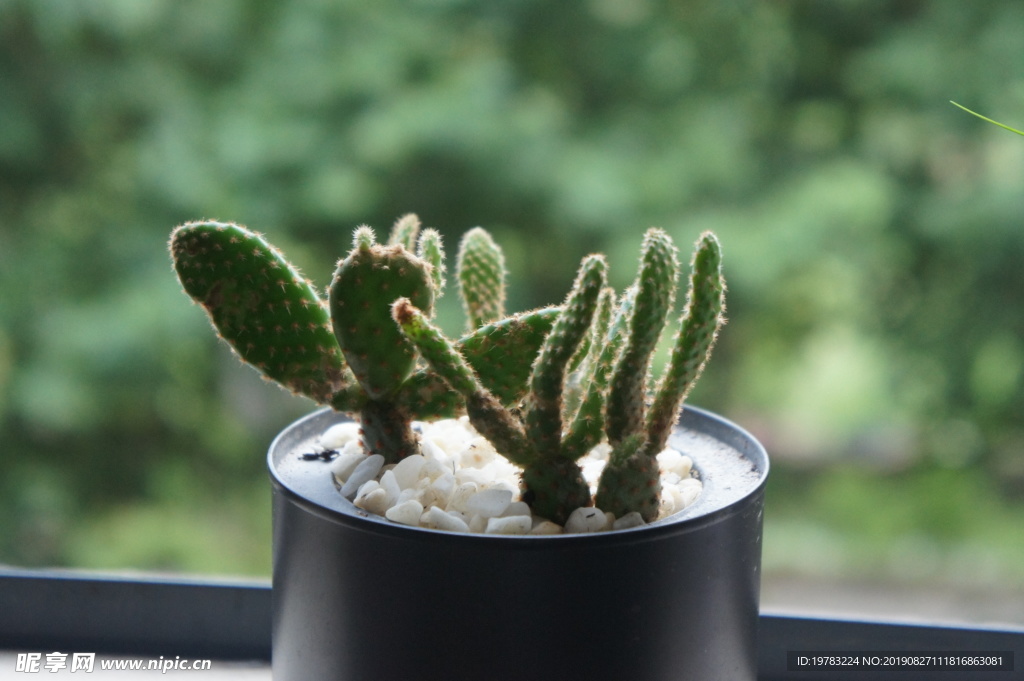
column 655, row 291
column 501, row 354
column 260, row 304
column 694, row 341
column 631, row 481
column 365, row 285
column 480, row 270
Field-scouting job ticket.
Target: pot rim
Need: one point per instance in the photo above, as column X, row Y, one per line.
column 316, row 492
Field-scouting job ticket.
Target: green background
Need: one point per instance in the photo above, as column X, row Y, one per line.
column 872, row 233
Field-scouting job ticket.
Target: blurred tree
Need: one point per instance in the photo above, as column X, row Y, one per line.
column 871, row 231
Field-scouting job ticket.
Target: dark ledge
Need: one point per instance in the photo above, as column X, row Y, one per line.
column 231, row 620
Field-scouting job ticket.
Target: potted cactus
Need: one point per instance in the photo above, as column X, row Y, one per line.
column 370, row 583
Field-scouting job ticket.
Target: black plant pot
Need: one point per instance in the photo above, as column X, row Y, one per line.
column 358, row 598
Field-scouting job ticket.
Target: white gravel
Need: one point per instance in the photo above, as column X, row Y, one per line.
column 459, row 483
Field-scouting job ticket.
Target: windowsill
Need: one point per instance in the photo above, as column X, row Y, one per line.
column 229, row 621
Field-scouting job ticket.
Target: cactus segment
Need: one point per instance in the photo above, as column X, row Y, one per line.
column 655, row 291
column 384, row 429
column 631, row 481
column 694, row 341
column 364, row 286
column 260, row 304
column 587, row 423
column 552, row 485
column 363, row 238
column 543, row 416
column 437, row 351
column 501, row 354
column 485, row 411
column 554, row 488
column 501, row 428
column 404, row 232
column 431, row 252
column 480, row 269
column 425, row 396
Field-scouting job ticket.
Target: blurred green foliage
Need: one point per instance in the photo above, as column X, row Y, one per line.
column 872, row 234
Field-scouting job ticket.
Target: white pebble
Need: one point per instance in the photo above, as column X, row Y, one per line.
column 339, row 435
column 478, row 523
column 407, row 471
column 586, row 519
column 366, row 470
column 433, row 469
column 517, row 508
column 477, row 476
column 632, row 519
column 389, row 483
column 478, row 454
column 689, row 490
column 436, row 492
column 407, row 494
column 406, row 513
column 461, row 495
column 345, row 463
column 426, row 494
column 517, row 524
column 373, row 498
column 460, row 475
column 443, row 488
column 432, row 451
column 671, row 461
column 489, row 503
column 436, row 518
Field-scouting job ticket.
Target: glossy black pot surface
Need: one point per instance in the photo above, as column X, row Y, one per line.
column 358, row 598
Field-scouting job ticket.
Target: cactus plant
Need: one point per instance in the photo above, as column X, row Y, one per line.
column 544, row 387
column 610, row 395
column 638, row 431
column 552, row 482
column 346, row 352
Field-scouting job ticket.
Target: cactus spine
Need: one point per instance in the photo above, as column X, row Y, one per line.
column 630, row 481
column 347, row 353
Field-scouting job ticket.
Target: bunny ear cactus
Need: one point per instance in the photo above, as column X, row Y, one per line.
column 630, row 481
column 552, row 480
column 347, row 353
